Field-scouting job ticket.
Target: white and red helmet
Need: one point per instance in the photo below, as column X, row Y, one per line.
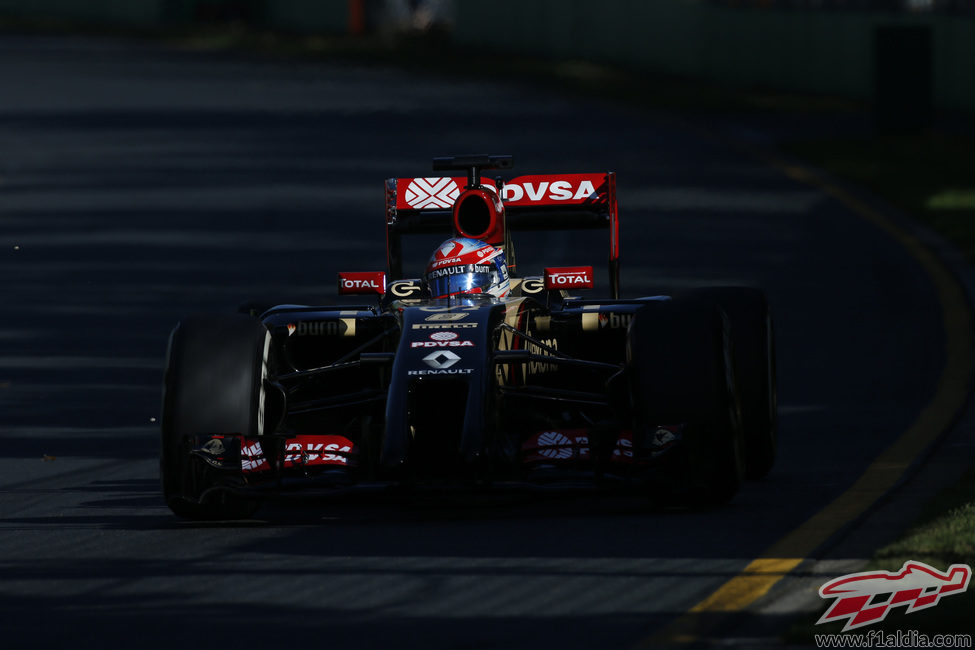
column 467, row 266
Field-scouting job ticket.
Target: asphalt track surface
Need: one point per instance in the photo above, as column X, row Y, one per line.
column 139, row 184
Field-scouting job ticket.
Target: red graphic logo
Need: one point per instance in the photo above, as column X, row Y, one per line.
column 299, row 451
column 866, row 598
column 317, row 450
column 442, row 344
column 432, row 193
column 569, row 277
column 552, row 444
column 362, row 283
column 573, row 189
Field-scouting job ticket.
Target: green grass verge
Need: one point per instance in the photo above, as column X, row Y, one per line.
column 930, row 176
column 944, row 533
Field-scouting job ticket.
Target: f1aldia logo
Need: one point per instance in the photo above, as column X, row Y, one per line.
column 429, row 193
column 866, row 598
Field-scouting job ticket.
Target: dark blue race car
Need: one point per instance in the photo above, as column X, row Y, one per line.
column 473, row 376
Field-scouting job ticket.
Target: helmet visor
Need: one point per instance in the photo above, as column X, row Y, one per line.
column 467, row 278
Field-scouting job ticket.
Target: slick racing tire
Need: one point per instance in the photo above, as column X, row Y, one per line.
column 753, row 340
column 681, row 371
column 214, row 383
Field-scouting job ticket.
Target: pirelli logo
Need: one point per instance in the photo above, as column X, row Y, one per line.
column 442, row 326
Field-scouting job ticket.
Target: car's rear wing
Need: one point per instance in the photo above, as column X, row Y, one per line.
column 533, row 202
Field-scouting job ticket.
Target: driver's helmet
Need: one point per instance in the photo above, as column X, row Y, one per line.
column 467, row 266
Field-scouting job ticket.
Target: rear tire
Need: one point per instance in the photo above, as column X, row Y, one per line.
column 682, row 371
column 214, row 384
column 754, row 344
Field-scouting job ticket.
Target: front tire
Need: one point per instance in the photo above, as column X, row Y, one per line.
column 214, row 384
column 682, row 372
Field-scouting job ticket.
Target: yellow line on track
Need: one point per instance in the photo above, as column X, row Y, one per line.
column 883, row 473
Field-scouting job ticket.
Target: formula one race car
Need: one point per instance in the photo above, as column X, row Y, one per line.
column 471, row 375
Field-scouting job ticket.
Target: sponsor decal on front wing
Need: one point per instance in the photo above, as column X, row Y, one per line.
column 300, row 451
column 571, row 445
